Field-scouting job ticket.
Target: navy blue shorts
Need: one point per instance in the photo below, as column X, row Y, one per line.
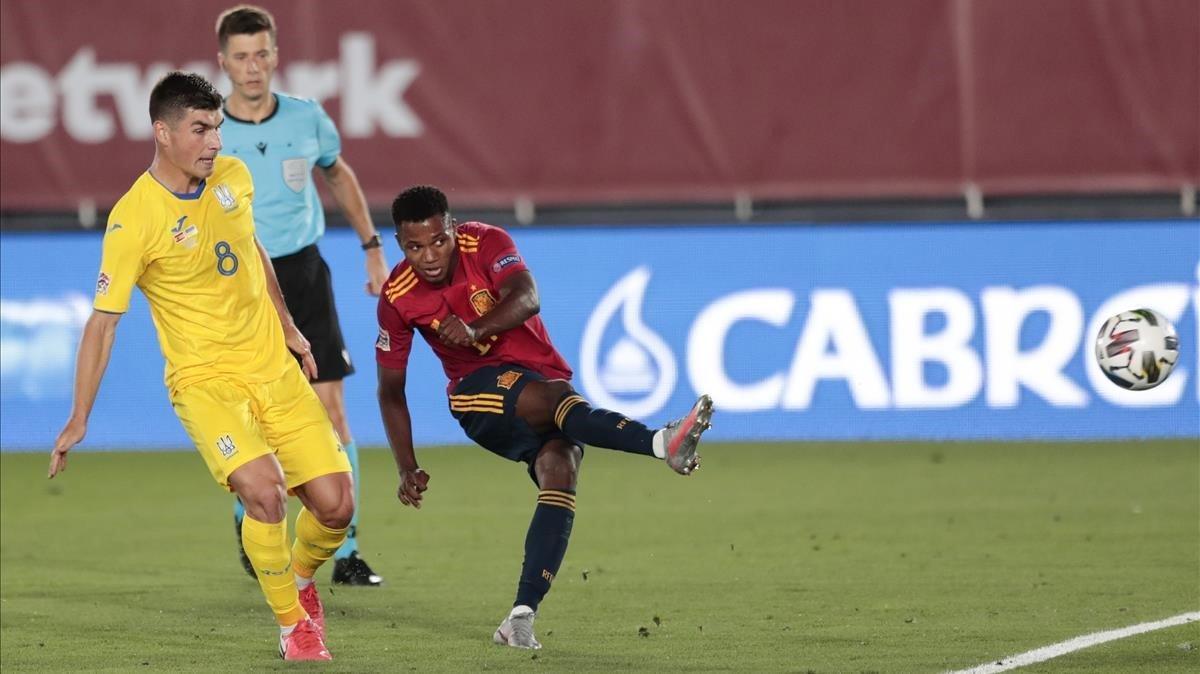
column 485, row 405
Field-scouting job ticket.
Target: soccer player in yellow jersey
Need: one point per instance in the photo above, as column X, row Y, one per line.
column 284, row 140
column 184, row 234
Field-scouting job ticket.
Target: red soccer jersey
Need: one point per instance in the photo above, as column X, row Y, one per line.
column 486, row 256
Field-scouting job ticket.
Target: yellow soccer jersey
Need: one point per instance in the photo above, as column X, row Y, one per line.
column 194, row 257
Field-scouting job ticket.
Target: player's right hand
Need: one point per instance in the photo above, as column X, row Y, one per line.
column 300, row 346
column 454, row 331
column 413, row 484
column 70, row 436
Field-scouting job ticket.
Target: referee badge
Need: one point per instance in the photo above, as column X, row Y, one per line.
column 296, row 173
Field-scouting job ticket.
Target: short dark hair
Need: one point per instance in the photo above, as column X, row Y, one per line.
column 178, row 92
column 244, row 20
column 419, row 203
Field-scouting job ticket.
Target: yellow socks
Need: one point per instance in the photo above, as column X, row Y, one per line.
column 315, row 544
column 277, row 567
column 266, row 546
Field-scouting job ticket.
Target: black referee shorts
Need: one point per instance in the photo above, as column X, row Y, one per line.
column 308, row 291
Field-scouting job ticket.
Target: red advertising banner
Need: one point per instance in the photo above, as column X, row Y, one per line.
column 640, row 100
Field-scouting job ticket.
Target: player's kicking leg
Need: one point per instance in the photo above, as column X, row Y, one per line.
column 261, row 487
column 556, row 470
column 546, row 405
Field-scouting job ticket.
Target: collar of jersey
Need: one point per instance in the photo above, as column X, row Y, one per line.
column 264, row 120
column 186, row 196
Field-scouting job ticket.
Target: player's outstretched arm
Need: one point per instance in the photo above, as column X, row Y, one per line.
column 349, row 195
column 291, row 334
column 393, row 406
column 95, row 347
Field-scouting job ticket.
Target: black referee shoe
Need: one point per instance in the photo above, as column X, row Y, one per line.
column 353, row 570
column 237, row 528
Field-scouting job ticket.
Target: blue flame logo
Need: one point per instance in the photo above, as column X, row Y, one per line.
column 637, row 374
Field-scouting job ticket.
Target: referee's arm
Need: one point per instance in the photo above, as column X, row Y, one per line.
column 349, row 196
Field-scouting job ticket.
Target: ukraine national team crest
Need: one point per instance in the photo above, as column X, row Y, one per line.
column 102, row 283
column 506, row 380
column 226, row 446
column 184, row 234
column 482, row 301
column 225, row 197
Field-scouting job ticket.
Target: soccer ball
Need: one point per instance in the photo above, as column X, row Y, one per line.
column 1137, row 349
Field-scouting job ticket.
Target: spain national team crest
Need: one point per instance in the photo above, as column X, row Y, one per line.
column 225, row 197
column 506, row 380
column 482, row 301
column 184, row 234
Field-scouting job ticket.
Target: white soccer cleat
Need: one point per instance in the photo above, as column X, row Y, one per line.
column 682, row 437
column 517, row 629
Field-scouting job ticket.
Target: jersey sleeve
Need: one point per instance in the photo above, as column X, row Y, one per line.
column 329, row 143
column 121, row 265
column 499, row 254
column 395, row 337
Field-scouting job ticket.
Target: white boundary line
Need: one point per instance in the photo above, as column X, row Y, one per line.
column 1071, row 645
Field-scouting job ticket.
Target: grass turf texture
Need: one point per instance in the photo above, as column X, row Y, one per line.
column 796, row 557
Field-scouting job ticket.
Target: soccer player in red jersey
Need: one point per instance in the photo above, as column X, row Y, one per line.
column 466, row 289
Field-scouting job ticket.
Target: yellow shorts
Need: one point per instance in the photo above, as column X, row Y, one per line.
column 232, row 422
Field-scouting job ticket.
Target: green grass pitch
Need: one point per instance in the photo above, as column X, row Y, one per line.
column 884, row 557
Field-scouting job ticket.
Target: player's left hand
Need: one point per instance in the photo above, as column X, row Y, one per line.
column 455, row 332
column 300, row 346
column 377, row 271
column 413, row 484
